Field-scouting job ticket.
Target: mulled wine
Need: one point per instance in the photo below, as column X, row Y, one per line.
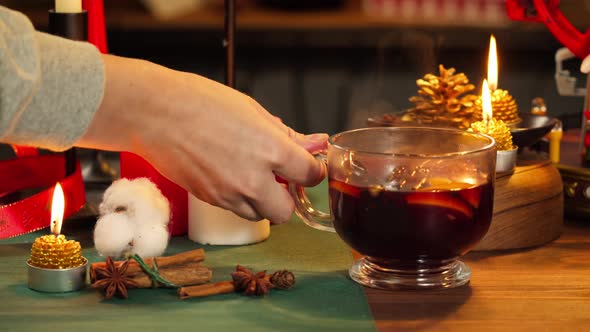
column 411, row 200
column 436, row 223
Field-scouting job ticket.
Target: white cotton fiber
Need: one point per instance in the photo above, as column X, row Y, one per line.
column 113, row 235
column 140, row 199
column 134, row 219
column 150, row 240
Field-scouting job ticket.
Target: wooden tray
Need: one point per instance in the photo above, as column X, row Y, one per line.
column 528, row 208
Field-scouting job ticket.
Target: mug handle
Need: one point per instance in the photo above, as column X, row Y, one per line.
column 304, row 208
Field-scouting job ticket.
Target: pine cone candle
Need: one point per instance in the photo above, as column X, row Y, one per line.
column 56, row 252
column 497, row 130
column 443, row 100
column 504, row 106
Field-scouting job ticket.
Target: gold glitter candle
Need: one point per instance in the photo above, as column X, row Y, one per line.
column 56, row 252
column 497, row 129
column 56, row 264
column 505, row 108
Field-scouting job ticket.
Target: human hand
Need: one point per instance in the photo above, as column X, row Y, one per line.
column 214, row 141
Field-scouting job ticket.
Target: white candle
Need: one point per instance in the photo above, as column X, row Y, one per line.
column 68, row 6
column 208, row 224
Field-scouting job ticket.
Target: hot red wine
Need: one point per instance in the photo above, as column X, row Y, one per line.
column 426, row 224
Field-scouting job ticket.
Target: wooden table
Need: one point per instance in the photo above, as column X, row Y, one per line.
column 539, row 289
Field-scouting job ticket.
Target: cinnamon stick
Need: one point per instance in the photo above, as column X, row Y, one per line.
column 184, row 275
column 281, row 280
column 197, row 255
column 221, row 287
column 243, row 280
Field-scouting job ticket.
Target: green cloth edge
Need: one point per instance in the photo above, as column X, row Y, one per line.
column 323, row 299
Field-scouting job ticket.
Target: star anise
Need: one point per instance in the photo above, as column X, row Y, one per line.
column 113, row 279
column 250, row 283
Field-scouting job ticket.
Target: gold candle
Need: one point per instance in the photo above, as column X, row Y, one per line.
column 497, row 129
column 55, row 251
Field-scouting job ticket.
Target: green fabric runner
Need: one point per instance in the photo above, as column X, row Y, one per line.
column 323, row 299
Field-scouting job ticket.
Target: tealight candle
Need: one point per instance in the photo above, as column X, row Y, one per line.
column 55, row 251
column 497, row 129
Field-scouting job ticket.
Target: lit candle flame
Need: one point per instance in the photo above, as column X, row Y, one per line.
column 486, row 102
column 493, row 64
column 57, row 209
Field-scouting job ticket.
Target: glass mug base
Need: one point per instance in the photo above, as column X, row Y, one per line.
column 447, row 274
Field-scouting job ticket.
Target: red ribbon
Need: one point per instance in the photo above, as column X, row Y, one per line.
column 34, row 212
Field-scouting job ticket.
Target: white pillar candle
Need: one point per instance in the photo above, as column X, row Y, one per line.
column 68, row 6
column 208, row 224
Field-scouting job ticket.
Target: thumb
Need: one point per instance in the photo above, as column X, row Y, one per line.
column 313, row 143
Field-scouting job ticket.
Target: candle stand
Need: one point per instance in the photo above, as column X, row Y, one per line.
column 528, row 203
column 528, row 206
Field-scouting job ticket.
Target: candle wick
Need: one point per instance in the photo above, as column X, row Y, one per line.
column 53, row 227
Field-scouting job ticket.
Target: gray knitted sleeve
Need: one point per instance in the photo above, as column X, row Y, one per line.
column 50, row 87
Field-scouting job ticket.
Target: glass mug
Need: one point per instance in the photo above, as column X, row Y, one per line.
column 410, row 200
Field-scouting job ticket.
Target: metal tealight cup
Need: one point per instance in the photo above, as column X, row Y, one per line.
column 506, row 160
column 57, row 280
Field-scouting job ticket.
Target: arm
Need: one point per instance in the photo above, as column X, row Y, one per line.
column 216, row 142
column 49, row 86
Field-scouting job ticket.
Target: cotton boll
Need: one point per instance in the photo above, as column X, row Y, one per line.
column 139, row 198
column 146, row 211
column 151, row 206
column 159, row 201
column 113, row 235
column 150, row 240
column 118, row 194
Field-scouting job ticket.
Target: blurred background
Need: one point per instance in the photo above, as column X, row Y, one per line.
column 326, row 65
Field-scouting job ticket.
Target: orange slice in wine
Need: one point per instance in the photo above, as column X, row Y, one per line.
column 440, row 199
column 471, row 195
column 345, row 188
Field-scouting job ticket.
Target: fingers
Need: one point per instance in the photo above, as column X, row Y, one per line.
column 246, row 210
column 299, row 166
column 275, row 204
column 312, row 143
